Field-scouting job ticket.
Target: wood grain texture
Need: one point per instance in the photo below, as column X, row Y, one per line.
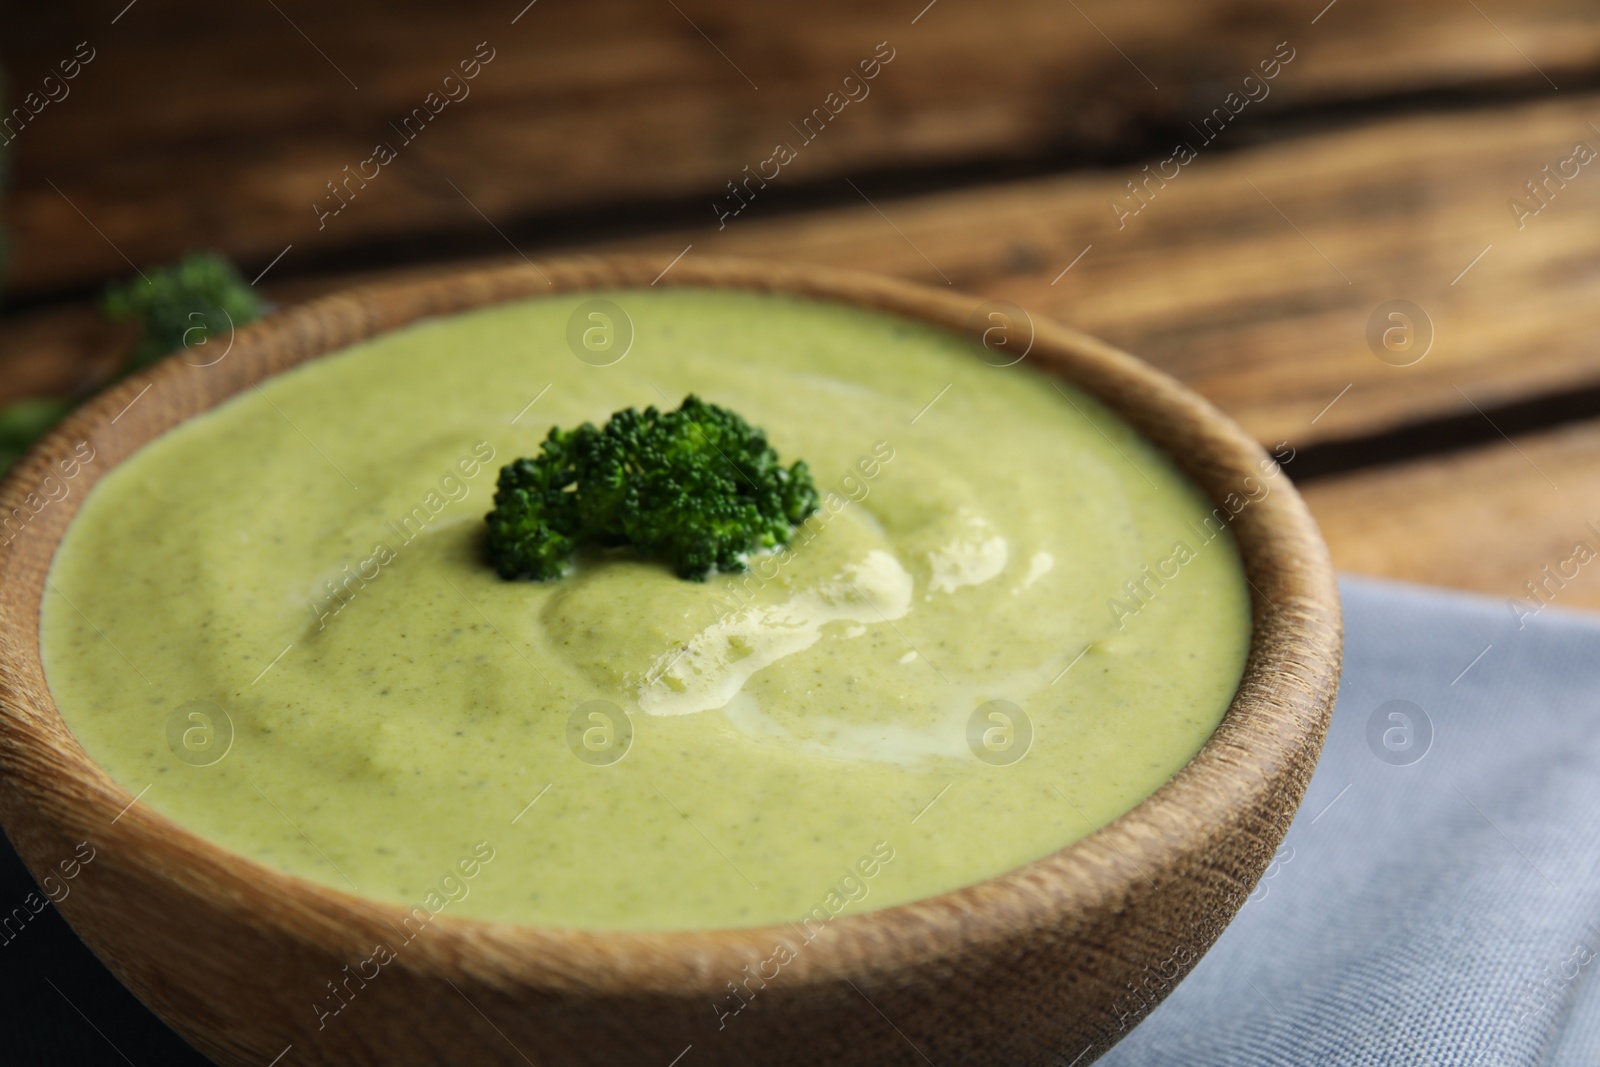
column 190, row 129
column 1264, row 313
column 1488, row 520
column 1252, row 276
column 1048, row 959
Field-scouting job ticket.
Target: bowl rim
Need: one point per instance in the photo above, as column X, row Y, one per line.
column 1255, row 758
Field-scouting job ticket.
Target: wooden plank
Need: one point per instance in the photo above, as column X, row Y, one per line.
column 70, row 348
column 1213, row 283
column 58, row 351
column 1488, row 520
column 189, row 129
column 1252, row 275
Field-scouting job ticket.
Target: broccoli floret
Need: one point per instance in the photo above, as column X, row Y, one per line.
column 183, row 306
column 178, row 306
column 698, row 487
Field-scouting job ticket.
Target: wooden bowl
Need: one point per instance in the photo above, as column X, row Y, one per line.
column 1056, row 958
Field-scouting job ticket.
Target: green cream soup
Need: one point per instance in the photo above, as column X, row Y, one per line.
column 1008, row 624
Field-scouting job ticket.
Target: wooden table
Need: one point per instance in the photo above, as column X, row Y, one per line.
column 1027, row 151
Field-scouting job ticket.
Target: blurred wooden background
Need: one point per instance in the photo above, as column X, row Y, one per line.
column 1382, row 162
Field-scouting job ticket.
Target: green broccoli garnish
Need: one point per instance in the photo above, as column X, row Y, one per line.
column 179, row 306
column 698, row 487
column 183, row 305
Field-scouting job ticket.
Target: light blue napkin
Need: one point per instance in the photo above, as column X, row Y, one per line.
column 1437, row 899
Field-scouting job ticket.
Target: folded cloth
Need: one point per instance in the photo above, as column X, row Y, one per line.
column 1437, row 898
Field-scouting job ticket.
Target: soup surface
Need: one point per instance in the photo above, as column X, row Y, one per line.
column 1009, row 623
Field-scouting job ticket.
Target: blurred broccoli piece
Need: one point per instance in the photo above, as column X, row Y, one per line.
column 698, row 487
column 182, row 306
column 176, row 307
column 25, row 421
